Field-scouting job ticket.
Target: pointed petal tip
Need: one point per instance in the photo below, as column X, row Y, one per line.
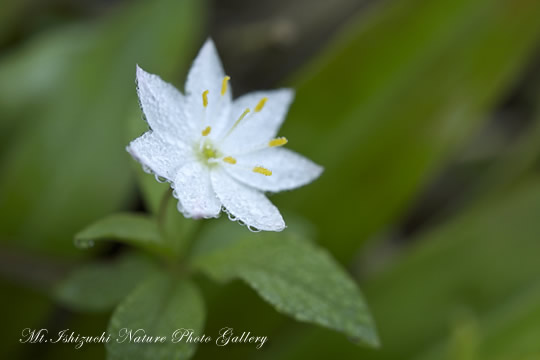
column 287, row 95
column 281, row 227
column 291, row 93
column 130, row 149
column 141, row 72
column 278, row 226
column 209, row 41
column 320, row 170
column 208, row 47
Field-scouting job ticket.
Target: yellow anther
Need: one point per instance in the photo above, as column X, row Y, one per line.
column 261, row 170
column 205, row 98
column 261, row 103
column 229, row 160
column 277, row 142
column 206, row 131
column 224, row 85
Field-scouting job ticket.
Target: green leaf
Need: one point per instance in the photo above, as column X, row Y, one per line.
column 392, row 98
column 478, row 261
column 507, row 333
column 67, row 160
column 101, row 286
column 176, row 229
column 134, row 229
column 296, row 277
column 159, row 306
column 511, row 332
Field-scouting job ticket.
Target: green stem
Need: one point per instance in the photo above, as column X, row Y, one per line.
column 193, row 236
column 162, row 211
column 180, row 239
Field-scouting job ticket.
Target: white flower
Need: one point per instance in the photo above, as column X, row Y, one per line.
column 215, row 152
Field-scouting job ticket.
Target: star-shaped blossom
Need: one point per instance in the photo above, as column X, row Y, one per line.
column 218, row 153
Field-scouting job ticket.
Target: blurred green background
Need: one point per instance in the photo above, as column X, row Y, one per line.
column 425, row 114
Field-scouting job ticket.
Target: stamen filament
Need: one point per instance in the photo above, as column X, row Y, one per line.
column 261, row 170
column 224, row 85
column 272, row 143
column 205, row 98
column 237, row 122
column 242, row 117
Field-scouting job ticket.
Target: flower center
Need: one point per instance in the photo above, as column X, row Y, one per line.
column 207, row 153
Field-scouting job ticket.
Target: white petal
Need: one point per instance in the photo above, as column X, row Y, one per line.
column 164, row 107
column 193, row 188
column 257, row 127
column 207, row 73
column 245, row 203
column 158, row 155
column 289, row 169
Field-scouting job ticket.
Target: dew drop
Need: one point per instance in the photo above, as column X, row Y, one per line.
column 160, row 179
column 253, row 229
